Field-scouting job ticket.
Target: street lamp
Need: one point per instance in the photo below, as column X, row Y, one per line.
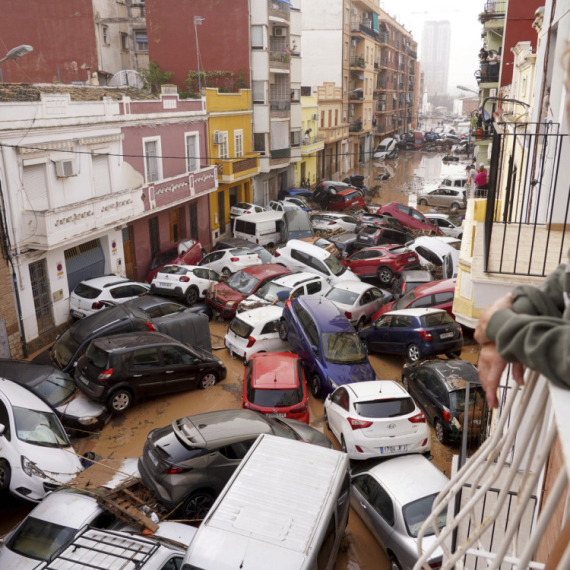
column 198, row 22
column 17, row 52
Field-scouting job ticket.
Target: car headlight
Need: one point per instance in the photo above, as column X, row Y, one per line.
column 230, row 303
column 30, row 468
column 333, row 383
column 88, row 421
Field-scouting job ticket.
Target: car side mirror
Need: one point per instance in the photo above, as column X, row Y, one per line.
column 314, row 348
column 2, row 429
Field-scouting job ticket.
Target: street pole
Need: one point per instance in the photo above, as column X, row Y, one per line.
column 198, row 22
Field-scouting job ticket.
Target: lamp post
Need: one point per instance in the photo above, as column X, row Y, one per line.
column 17, row 52
column 198, row 22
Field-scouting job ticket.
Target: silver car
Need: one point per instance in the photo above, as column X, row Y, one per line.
column 452, row 198
column 394, row 498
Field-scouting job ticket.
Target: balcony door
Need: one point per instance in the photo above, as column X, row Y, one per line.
column 41, row 295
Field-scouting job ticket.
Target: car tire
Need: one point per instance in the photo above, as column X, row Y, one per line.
column 226, row 272
column 454, row 207
column 196, row 506
column 120, row 401
column 422, row 202
column 283, row 330
column 385, row 275
column 453, row 355
column 208, row 380
column 394, row 564
column 414, row 353
column 315, row 386
column 360, row 325
column 343, row 444
column 192, row 295
column 439, row 431
column 5, row 475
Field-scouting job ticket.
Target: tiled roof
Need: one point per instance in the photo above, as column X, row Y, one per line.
column 31, row 92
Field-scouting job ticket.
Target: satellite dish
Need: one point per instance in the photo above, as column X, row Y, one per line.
column 127, row 78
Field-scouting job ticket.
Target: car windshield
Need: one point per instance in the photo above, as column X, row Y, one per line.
column 239, row 328
column 242, row 282
column 242, row 206
column 457, row 399
column 388, row 408
column 455, row 245
column 404, row 301
column 274, row 398
column 65, row 348
column 417, row 512
column 343, row 348
column 264, row 254
column 39, row 428
column 270, row 290
column 165, row 257
column 39, row 539
column 96, row 356
column 334, row 265
column 342, row 296
column 56, row 388
column 435, row 319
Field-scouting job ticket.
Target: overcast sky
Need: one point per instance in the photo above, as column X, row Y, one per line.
column 465, row 31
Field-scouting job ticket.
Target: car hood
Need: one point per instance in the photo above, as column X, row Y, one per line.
column 349, row 373
column 224, row 293
column 80, row 406
column 308, row 433
column 348, row 275
column 61, row 464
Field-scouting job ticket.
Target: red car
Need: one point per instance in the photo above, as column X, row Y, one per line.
column 226, row 296
column 382, row 262
column 184, row 252
column 435, row 295
column 274, row 385
column 346, row 199
column 409, row 217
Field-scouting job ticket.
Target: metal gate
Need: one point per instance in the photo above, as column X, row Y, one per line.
column 84, row 261
column 42, row 297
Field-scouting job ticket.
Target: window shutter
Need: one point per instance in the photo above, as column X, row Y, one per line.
column 257, row 36
column 101, row 175
column 35, row 186
column 258, row 91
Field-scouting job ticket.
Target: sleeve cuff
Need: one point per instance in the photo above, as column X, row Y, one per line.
column 496, row 322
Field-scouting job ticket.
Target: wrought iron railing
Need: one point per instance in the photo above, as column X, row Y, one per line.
column 494, row 10
column 279, row 9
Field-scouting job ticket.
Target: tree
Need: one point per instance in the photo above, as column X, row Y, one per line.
column 153, row 77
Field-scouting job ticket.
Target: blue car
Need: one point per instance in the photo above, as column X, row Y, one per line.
column 327, row 344
column 295, row 193
column 414, row 332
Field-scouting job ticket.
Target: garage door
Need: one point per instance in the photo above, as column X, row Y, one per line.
column 84, row 261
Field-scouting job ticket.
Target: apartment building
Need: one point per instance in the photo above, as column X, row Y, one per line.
column 436, row 52
column 312, row 143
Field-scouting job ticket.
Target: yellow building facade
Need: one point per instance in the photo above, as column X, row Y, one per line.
column 312, row 143
column 230, row 147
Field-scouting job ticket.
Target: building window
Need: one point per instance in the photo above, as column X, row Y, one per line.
column 295, row 95
column 223, row 146
column 336, row 117
column 258, row 91
column 345, row 84
column 124, row 41
column 154, row 237
column 106, row 35
column 152, row 160
column 238, row 142
column 305, row 91
column 141, row 40
column 322, row 119
column 344, row 116
column 259, row 142
column 345, row 50
column 35, row 187
column 42, row 296
column 192, row 152
column 295, row 138
column 257, row 37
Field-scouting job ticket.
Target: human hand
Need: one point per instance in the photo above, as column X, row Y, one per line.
column 491, row 367
column 505, row 302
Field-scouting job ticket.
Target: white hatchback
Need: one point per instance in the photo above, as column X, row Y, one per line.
column 188, row 282
column 97, row 293
column 330, row 221
column 35, row 453
column 228, row 261
column 242, row 208
column 256, row 331
column 445, row 225
column 376, row 419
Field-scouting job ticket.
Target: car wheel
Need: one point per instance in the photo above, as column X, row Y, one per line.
column 5, row 475
column 454, row 206
column 406, row 384
column 394, row 564
column 192, row 295
column 414, row 352
column 196, row 506
column 283, row 330
column 315, row 385
column 120, row 401
column 422, row 202
column 343, row 444
column 439, row 432
column 208, row 380
column 384, row 275
column 360, row 325
column 226, row 272
column 455, row 354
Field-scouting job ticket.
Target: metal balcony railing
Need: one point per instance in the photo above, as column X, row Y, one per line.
column 279, row 9
column 313, row 140
column 276, row 105
column 488, row 72
column 355, row 127
column 494, row 10
column 357, row 61
column 412, row 53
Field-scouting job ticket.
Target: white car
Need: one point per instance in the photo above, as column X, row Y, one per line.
column 358, row 301
column 256, row 331
column 188, row 282
column 283, row 206
column 435, row 251
column 242, row 208
column 297, row 201
column 228, row 261
column 97, row 293
column 298, row 255
column 445, row 225
column 35, row 453
column 330, row 221
column 295, row 284
column 376, row 419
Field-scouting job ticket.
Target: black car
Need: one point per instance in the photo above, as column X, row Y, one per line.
column 73, row 342
column 344, row 243
column 155, row 306
column 439, row 388
column 58, row 390
column 230, row 243
column 372, row 236
column 121, row 369
column 379, row 220
column 407, row 281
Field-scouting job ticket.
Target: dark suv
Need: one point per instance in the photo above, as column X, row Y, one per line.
column 124, row 368
column 371, row 236
column 189, row 462
column 439, row 388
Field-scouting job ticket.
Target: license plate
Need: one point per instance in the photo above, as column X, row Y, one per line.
column 84, row 380
column 393, row 449
column 152, row 458
column 411, row 258
column 446, row 335
column 275, row 415
column 165, row 284
column 77, row 314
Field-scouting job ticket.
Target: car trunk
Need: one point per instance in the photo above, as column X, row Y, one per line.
column 239, row 333
column 404, row 255
column 85, row 295
column 388, row 416
column 188, row 328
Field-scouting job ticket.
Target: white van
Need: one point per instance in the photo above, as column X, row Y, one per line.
column 285, row 508
column 263, row 228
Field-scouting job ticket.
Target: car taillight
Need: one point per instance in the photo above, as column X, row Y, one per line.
column 446, row 416
column 276, row 254
column 358, row 424
column 184, row 279
column 418, row 419
column 300, row 409
column 151, row 327
column 248, row 212
column 460, row 331
column 234, row 259
column 434, row 565
column 173, row 470
column 348, row 315
column 97, row 305
column 424, row 443
column 425, row 334
column 250, row 342
column 331, row 224
column 359, row 449
column 105, row 375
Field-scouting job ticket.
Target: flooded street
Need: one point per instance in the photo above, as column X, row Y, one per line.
column 125, row 435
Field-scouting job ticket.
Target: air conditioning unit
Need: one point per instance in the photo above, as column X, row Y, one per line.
column 219, row 138
column 279, row 31
column 65, row 168
column 315, row 117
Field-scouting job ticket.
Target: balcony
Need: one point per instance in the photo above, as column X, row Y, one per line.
column 279, row 55
column 279, row 9
column 334, row 134
column 363, row 26
column 494, row 10
column 380, row 129
column 381, row 106
column 279, row 109
column 281, row 153
column 356, row 95
column 357, row 61
column 233, row 170
column 312, row 144
column 412, row 53
column 356, row 127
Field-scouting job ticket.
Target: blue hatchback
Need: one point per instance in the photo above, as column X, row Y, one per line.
column 327, row 344
column 295, row 193
column 414, row 332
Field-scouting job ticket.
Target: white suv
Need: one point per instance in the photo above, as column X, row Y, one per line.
column 92, row 294
column 228, row 261
column 188, row 282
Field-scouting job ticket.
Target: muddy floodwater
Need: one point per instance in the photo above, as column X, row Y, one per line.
column 125, row 435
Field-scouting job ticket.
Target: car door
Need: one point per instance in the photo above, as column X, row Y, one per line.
column 435, row 198
column 127, row 292
column 223, row 461
column 213, row 261
column 338, row 411
column 421, row 302
column 269, row 337
column 146, row 373
column 366, row 306
column 7, row 450
column 377, row 300
column 444, row 301
column 180, row 369
column 203, row 278
column 378, row 339
column 316, row 287
column 359, row 262
column 422, row 395
column 398, row 334
column 348, row 223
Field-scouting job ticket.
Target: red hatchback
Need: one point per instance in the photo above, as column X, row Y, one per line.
column 346, row 199
column 184, row 252
column 409, row 217
column 434, row 295
column 274, row 385
column 226, row 296
column 382, row 262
